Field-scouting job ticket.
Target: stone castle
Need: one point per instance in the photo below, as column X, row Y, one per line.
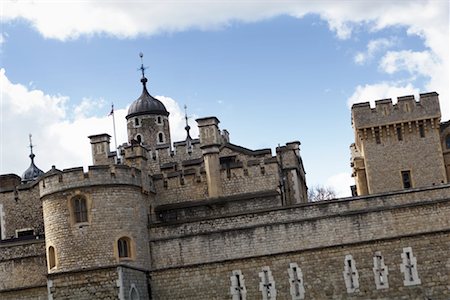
column 204, row 218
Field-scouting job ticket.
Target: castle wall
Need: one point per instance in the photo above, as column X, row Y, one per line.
column 23, row 269
column 322, row 270
column 21, row 209
column 300, row 228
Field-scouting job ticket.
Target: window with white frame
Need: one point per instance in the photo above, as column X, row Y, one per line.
column 134, row 294
column 351, row 276
column 297, row 289
column 267, row 284
column 237, row 288
column 380, row 271
column 409, row 267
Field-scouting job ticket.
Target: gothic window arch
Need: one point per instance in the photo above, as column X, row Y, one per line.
column 134, row 294
column 79, row 208
column 138, row 138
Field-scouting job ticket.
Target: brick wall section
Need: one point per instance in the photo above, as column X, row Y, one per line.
column 89, row 284
column 22, row 209
column 322, row 272
column 22, row 265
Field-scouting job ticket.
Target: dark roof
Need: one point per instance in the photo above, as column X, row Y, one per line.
column 146, row 104
column 33, row 172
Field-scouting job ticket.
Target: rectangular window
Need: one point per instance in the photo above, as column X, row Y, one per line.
column 24, row 232
column 399, row 133
column 406, row 178
column 377, row 136
column 421, row 130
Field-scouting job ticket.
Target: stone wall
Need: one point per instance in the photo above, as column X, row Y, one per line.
column 88, row 284
column 322, row 270
column 22, row 267
column 133, row 279
column 22, row 209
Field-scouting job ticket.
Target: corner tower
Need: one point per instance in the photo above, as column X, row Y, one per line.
column 148, row 119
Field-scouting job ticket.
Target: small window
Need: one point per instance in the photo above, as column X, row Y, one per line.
column 159, row 120
column 123, row 246
column 377, row 136
column 421, row 130
column 139, row 138
column 409, row 268
column 447, row 141
column 399, row 133
column 137, row 122
column 237, row 289
column 160, row 138
column 267, row 284
column 406, row 178
column 134, row 295
column 80, row 209
column 51, row 257
column 24, row 232
column 351, row 277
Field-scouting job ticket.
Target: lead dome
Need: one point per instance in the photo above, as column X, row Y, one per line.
column 146, row 104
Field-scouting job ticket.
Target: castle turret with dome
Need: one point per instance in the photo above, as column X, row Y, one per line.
column 33, row 172
column 147, row 119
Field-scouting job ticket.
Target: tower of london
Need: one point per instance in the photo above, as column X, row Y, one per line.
column 203, row 218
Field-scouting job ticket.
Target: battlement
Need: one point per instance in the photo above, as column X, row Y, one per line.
column 405, row 110
column 58, row 181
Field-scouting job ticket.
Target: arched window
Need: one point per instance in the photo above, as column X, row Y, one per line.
column 134, row 295
column 80, row 209
column 159, row 120
column 136, row 122
column 447, row 141
column 160, row 138
column 124, row 247
column 139, row 138
column 51, row 257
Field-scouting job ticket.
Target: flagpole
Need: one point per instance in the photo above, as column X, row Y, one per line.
column 114, row 128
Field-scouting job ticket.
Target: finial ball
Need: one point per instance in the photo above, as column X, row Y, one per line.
column 141, row 54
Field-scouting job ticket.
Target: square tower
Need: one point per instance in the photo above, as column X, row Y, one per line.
column 397, row 146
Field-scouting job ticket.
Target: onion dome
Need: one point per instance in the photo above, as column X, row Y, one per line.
column 33, row 172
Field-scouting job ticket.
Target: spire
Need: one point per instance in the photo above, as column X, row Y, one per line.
column 32, row 172
column 188, row 136
column 142, row 68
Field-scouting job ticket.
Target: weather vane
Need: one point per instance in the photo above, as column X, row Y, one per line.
column 31, row 143
column 142, row 68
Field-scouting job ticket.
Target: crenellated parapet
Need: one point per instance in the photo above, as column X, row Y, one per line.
column 58, row 181
column 405, row 110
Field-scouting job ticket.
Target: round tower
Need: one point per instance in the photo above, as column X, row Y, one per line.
column 95, row 227
column 148, row 119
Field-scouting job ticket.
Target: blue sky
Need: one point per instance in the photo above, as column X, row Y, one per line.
column 271, row 73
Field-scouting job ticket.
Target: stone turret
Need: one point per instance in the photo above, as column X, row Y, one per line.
column 398, row 145
column 210, row 141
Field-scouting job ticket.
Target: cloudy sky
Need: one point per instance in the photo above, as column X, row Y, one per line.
column 271, row 71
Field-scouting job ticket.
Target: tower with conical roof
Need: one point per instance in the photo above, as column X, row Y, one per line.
column 33, row 172
column 148, row 119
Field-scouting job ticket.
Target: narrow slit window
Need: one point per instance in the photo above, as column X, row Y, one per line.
column 139, row 138
column 160, row 138
column 297, row 288
column 399, row 133
column 237, row 288
column 267, row 284
column 380, row 271
column 447, row 141
column 159, row 120
column 406, row 179
column 377, row 136
column 421, row 130
column 409, row 267
column 351, row 277
column 136, row 122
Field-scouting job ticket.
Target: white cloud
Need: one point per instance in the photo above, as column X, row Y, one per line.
column 373, row 47
column 341, row 183
column 423, row 62
column 384, row 90
column 59, row 141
